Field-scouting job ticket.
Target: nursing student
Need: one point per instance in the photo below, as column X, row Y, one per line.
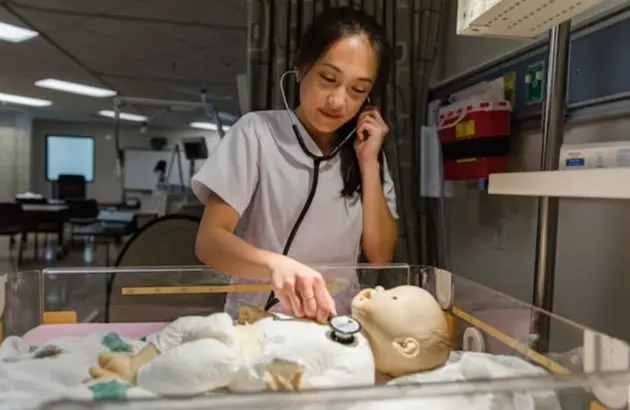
column 263, row 222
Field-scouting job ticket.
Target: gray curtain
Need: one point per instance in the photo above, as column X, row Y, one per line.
column 412, row 26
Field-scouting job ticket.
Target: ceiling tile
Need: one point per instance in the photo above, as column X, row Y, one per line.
column 142, row 59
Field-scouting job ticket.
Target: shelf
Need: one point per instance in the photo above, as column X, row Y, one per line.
column 611, row 183
column 516, row 18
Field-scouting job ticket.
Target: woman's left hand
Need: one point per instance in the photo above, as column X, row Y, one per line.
column 371, row 132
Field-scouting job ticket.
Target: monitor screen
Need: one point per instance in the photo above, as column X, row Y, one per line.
column 69, row 155
column 195, row 148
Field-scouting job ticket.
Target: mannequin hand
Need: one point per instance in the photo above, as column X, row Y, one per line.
column 280, row 383
column 371, row 132
column 301, row 290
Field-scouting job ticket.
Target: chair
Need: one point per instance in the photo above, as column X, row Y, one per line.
column 81, row 212
column 165, row 241
column 71, row 187
column 12, row 224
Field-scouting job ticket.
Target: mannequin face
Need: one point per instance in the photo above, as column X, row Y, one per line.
column 406, row 328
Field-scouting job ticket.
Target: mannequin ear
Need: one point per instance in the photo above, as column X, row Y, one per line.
column 408, row 347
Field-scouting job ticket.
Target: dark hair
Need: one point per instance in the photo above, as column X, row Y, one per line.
column 329, row 27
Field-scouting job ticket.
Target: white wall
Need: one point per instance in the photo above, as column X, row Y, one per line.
column 15, row 153
column 106, row 186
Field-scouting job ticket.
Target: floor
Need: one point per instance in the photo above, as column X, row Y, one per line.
column 62, row 292
column 45, row 258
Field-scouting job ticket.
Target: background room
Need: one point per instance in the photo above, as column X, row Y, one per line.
column 67, row 67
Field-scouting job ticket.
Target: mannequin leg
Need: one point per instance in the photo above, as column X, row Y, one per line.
column 213, row 329
column 192, row 368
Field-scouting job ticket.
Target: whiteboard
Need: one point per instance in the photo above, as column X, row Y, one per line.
column 139, row 166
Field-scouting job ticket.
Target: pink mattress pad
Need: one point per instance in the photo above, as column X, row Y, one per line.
column 43, row 333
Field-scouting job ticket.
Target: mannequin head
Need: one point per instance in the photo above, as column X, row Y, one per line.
column 406, row 329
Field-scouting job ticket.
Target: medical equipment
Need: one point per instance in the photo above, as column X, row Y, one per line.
column 317, row 161
column 42, row 306
column 615, row 154
column 475, row 138
column 343, row 329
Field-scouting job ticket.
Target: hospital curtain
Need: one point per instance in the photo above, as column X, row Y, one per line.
column 412, row 26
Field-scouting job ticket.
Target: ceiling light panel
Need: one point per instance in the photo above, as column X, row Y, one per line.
column 75, row 88
column 123, row 116
column 210, row 126
column 22, row 100
column 15, row 34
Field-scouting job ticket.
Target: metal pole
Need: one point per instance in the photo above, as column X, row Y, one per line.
column 160, row 103
column 119, row 160
column 552, row 136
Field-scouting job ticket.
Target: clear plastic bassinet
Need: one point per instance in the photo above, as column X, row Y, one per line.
column 498, row 362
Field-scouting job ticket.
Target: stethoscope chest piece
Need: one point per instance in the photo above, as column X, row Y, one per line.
column 344, row 328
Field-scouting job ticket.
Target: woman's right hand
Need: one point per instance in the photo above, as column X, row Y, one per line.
column 301, row 290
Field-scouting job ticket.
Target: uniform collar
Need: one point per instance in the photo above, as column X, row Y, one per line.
column 288, row 142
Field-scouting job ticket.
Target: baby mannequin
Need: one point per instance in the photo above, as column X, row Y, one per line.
column 404, row 331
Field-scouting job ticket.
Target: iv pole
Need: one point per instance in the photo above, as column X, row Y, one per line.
column 554, row 112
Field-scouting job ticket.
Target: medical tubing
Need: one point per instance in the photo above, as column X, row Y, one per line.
column 272, row 300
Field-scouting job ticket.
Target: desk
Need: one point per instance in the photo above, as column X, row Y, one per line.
column 44, row 208
column 47, row 218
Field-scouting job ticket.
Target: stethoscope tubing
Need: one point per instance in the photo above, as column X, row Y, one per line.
column 317, row 160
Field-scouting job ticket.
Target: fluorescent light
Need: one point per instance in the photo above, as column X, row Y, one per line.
column 210, row 126
column 124, row 116
column 15, row 34
column 75, row 88
column 18, row 99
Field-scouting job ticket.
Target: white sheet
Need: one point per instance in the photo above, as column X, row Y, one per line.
column 41, row 379
column 468, row 366
column 34, row 380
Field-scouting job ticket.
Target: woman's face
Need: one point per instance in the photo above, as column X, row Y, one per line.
column 337, row 85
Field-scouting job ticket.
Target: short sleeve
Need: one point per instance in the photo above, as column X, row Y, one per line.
column 388, row 189
column 231, row 172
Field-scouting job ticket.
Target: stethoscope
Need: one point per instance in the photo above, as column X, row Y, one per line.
column 317, row 160
column 343, row 328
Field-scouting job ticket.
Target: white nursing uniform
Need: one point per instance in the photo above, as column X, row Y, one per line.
column 260, row 170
